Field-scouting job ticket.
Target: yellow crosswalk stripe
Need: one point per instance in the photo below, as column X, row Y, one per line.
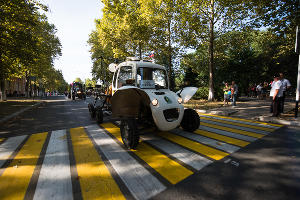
column 195, row 146
column 168, row 168
column 223, row 138
column 16, row 177
column 243, row 120
column 240, row 124
column 95, row 180
column 256, row 135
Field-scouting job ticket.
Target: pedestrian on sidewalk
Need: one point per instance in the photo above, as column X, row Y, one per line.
column 265, row 89
column 285, row 85
column 276, row 95
column 258, row 90
column 226, row 90
column 234, row 92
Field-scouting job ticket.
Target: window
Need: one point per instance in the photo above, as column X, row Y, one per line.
column 152, row 78
column 125, row 76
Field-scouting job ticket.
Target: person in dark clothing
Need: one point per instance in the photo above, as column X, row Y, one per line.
column 285, row 86
column 276, row 95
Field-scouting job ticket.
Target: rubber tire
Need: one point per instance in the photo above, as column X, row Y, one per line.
column 73, row 97
column 69, row 96
column 129, row 133
column 190, row 121
column 99, row 116
column 92, row 110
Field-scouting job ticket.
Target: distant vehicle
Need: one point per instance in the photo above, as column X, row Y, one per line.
column 140, row 97
column 89, row 91
column 77, row 90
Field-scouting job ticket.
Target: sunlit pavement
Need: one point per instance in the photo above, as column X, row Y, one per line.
column 58, row 152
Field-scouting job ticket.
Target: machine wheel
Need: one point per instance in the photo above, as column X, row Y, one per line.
column 73, row 97
column 99, row 115
column 190, row 121
column 92, row 110
column 129, row 133
column 69, row 95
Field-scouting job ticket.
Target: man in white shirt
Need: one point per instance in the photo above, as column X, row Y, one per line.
column 276, row 94
column 258, row 89
column 286, row 85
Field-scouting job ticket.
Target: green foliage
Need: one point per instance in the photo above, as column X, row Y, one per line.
column 78, row 80
column 55, row 81
column 247, row 57
column 90, row 83
column 135, row 28
column 202, row 93
column 28, row 42
column 224, row 36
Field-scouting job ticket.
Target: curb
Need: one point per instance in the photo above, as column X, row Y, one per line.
column 279, row 121
column 217, row 112
column 19, row 112
column 259, row 118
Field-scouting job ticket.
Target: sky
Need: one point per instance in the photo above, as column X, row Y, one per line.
column 74, row 20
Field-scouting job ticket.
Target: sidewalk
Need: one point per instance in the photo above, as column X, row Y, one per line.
column 257, row 110
column 15, row 106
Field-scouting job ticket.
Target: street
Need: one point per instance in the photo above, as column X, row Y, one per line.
column 56, row 151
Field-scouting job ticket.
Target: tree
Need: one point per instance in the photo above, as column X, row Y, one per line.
column 54, row 81
column 90, row 83
column 102, row 56
column 28, row 41
column 130, row 28
column 78, row 80
column 204, row 21
column 282, row 16
column 164, row 17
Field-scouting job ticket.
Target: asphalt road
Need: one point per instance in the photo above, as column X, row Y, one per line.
column 56, row 113
column 260, row 165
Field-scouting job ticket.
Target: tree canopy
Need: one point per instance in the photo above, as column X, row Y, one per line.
column 28, row 42
column 245, row 41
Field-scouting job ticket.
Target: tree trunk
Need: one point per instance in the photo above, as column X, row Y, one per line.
column 140, row 50
column 211, row 53
column 3, row 92
column 27, row 85
column 170, row 74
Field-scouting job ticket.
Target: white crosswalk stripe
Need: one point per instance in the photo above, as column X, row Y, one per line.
column 229, row 134
column 9, row 146
column 240, row 121
column 235, row 126
column 204, row 140
column 142, row 180
column 189, row 158
column 55, row 178
column 131, row 172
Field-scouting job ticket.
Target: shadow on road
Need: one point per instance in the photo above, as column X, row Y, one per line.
column 54, row 114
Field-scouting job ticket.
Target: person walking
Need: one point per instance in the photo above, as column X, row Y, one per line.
column 226, row 90
column 285, row 85
column 259, row 91
column 275, row 96
column 234, row 92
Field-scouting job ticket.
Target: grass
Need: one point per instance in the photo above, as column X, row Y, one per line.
column 203, row 104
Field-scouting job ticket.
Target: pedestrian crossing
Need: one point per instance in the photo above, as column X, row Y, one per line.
column 91, row 162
